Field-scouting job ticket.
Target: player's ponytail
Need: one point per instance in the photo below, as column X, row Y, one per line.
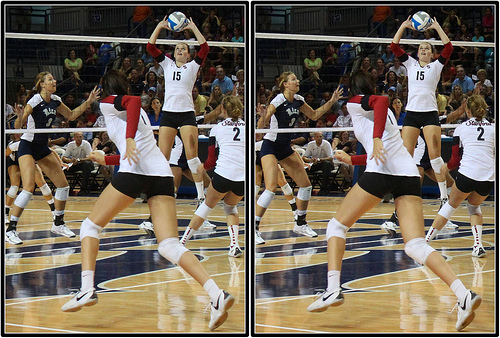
column 233, row 107
column 477, row 106
column 39, row 79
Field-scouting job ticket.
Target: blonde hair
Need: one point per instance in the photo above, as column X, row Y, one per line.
column 38, row 86
column 233, row 106
column 281, row 85
column 477, row 106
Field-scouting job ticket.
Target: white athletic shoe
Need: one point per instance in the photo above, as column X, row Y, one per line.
column 12, row 237
column 80, row 299
column 389, row 227
column 206, row 224
column 478, row 251
column 62, row 230
column 466, row 310
column 258, row 238
column 147, row 227
column 304, row 230
column 450, row 225
column 325, row 300
column 218, row 311
column 235, row 251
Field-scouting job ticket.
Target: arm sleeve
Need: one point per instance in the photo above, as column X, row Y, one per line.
column 211, row 158
column 133, row 106
column 380, row 105
column 398, row 51
column 155, row 52
column 112, row 159
column 202, row 54
column 455, row 154
column 446, row 53
column 359, row 159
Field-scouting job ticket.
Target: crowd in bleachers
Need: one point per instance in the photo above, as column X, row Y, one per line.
column 84, row 68
column 469, row 70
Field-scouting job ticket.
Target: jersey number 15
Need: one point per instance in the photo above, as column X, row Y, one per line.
column 176, row 76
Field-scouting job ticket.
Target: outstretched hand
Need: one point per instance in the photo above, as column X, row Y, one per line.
column 337, row 94
column 95, row 94
column 407, row 23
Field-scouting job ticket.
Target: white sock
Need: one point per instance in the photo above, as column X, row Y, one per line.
column 199, row 190
column 448, row 191
column 292, row 201
column 458, row 289
column 257, row 189
column 442, row 189
column 233, row 234
column 58, row 212
column 301, row 212
column 333, row 280
column 87, row 279
column 477, row 231
column 187, row 235
column 258, row 218
column 14, row 218
column 212, row 289
column 431, row 234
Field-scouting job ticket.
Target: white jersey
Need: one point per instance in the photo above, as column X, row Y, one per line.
column 176, row 152
column 14, row 147
column 478, row 142
column 419, row 151
column 179, row 83
column 398, row 160
column 151, row 162
column 230, row 139
column 422, row 83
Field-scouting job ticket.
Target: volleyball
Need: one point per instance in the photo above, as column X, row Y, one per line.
column 176, row 21
column 421, row 21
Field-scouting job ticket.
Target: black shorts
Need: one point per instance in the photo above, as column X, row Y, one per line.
column 177, row 120
column 257, row 158
column 468, row 185
column 36, row 150
column 381, row 184
column 224, row 185
column 9, row 162
column 278, row 149
column 133, row 185
column 421, row 119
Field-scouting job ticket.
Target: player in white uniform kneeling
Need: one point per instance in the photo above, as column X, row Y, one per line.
column 143, row 169
column 228, row 182
column 389, row 168
column 476, row 173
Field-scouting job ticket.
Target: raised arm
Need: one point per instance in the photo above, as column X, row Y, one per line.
column 317, row 113
column 191, row 25
column 73, row 114
column 401, row 30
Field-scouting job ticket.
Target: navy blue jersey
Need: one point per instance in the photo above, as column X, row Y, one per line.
column 285, row 116
column 42, row 117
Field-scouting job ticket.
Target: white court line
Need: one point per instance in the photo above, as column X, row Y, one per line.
column 43, row 328
column 290, row 328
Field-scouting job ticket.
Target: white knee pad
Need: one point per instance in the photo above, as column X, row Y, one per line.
column 287, row 190
column 203, row 211
column 265, row 198
column 304, row 194
column 336, row 229
column 473, row 209
column 447, row 211
column 418, row 249
column 230, row 209
column 193, row 164
column 45, row 190
column 172, row 249
column 12, row 192
column 62, row 194
column 436, row 164
column 23, row 198
column 89, row 228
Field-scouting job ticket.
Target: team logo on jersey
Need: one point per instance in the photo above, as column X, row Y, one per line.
column 292, row 111
column 49, row 111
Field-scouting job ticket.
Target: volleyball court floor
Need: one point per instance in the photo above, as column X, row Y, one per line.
column 384, row 289
column 139, row 291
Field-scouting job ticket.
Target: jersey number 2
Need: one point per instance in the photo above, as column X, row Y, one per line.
column 481, row 132
column 177, row 76
column 237, row 130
